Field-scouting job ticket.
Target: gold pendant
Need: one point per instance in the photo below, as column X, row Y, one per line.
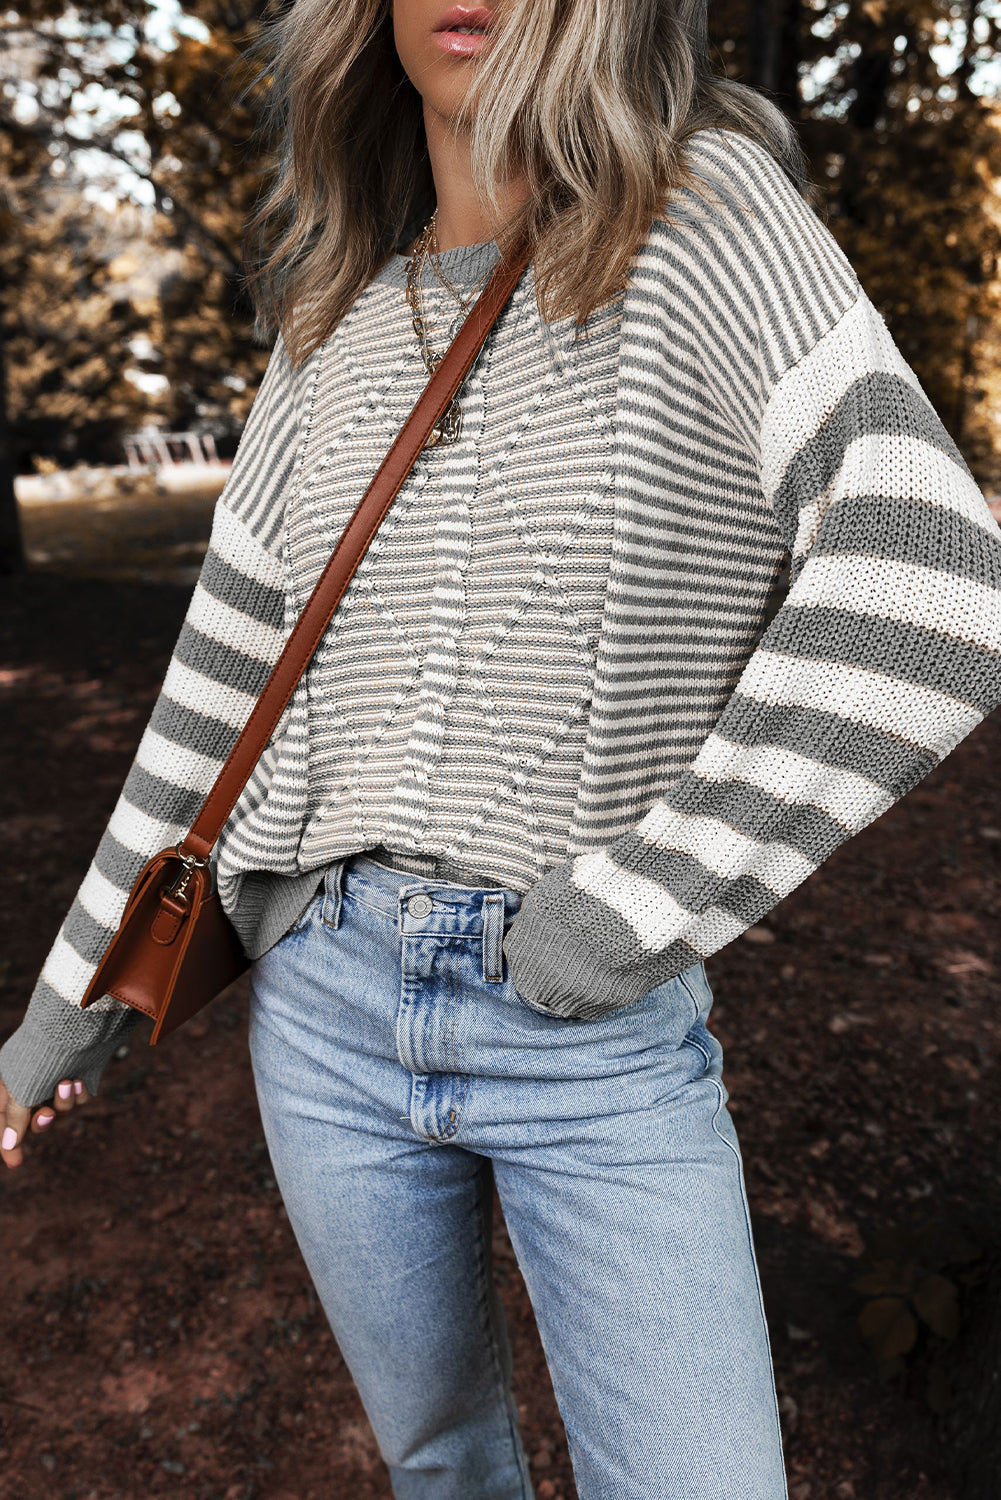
column 448, row 427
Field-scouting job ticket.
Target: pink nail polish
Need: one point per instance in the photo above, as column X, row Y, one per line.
column 78, row 1087
column 44, row 1120
column 64, row 1090
column 9, row 1138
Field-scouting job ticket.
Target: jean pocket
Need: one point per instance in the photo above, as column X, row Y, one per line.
column 673, row 1007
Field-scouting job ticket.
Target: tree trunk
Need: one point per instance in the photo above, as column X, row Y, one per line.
column 773, row 43
column 12, row 558
column 871, row 76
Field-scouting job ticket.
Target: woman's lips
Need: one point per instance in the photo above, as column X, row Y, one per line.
column 462, row 32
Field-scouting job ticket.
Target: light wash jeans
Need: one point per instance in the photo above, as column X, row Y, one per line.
column 395, row 1065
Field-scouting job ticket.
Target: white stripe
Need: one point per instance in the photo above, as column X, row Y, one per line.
column 886, row 467
column 221, row 622
column 102, row 900
column 204, row 696
column 183, row 768
column 852, row 800
column 67, row 973
column 241, row 549
column 139, row 832
column 654, row 916
column 950, row 605
column 929, row 719
column 859, row 344
column 722, row 849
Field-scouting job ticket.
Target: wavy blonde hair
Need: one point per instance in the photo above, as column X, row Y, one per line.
column 590, row 100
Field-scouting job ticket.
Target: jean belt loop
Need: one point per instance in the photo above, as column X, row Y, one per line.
column 493, row 937
column 333, row 882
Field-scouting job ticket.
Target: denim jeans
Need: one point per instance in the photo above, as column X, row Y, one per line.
column 399, row 1074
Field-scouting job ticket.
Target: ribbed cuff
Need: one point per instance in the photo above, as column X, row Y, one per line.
column 32, row 1063
column 553, row 970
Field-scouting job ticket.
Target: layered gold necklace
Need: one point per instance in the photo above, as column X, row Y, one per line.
column 425, row 252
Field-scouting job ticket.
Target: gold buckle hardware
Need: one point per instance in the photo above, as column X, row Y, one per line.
column 190, row 863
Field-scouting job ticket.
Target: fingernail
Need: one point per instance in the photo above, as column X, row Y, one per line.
column 64, row 1090
column 78, row 1087
column 44, row 1120
column 9, row 1139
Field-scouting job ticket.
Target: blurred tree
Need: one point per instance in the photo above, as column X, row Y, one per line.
column 93, row 107
column 908, row 156
column 198, row 114
column 884, row 92
column 68, row 344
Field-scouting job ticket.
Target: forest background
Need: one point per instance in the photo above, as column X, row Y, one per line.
column 160, row 1334
column 128, row 164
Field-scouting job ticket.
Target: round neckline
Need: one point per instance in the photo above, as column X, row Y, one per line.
column 463, row 264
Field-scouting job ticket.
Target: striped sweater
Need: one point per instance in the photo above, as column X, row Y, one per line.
column 762, row 411
column 443, row 721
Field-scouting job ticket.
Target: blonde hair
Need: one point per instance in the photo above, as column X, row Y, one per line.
column 590, row 100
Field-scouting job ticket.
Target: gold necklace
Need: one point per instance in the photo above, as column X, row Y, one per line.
column 449, row 425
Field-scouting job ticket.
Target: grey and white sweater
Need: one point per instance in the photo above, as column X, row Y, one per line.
column 761, row 410
column 443, row 719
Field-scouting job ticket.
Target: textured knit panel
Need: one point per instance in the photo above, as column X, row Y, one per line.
column 443, row 719
column 446, row 709
column 762, row 408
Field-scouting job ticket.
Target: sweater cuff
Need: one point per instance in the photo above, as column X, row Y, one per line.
column 32, row 1063
column 555, row 971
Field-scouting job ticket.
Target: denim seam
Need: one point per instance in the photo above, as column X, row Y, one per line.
column 491, row 1335
column 750, row 1241
column 452, row 1053
column 689, row 1041
column 691, row 995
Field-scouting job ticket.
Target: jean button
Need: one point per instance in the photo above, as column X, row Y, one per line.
column 420, row 906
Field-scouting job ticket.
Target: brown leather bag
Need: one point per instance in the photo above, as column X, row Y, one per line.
column 175, row 948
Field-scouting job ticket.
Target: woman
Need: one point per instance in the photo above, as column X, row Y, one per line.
column 559, row 744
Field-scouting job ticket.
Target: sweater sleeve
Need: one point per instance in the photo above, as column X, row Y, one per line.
column 885, row 653
column 231, row 637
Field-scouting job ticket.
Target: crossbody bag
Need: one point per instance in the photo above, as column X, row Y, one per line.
column 175, row 948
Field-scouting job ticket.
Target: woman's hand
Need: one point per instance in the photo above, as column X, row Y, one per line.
column 17, row 1119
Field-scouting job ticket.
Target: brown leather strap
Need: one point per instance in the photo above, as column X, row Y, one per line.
column 319, row 610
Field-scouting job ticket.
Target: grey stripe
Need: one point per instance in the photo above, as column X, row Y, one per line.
column 117, row 864
column 879, row 402
column 760, row 815
column 221, row 663
column 892, row 763
column 745, row 898
column 161, row 799
column 899, row 531
column 86, row 936
column 226, row 583
column 183, row 726
column 688, row 881
column 892, row 646
column 81, row 1030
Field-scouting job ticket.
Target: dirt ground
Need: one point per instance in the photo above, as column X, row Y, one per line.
column 159, row 1334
